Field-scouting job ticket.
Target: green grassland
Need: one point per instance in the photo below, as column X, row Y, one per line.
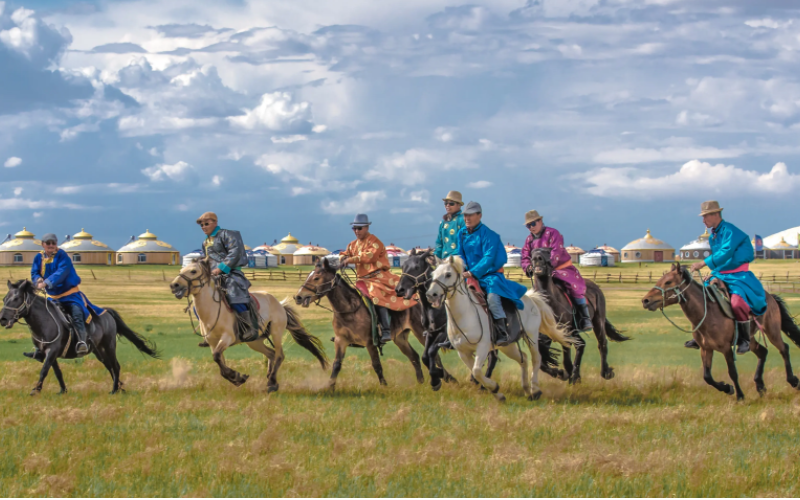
column 181, row 430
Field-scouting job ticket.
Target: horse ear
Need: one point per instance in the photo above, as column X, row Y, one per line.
column 325, row 264
column 430, row 258
column 439, row 261
column 413, row 251
column 676, row 266
column 10, row 285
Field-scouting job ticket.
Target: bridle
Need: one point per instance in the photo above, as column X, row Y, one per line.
column 417, row 282
column 681, row 296
column 455, row 288
column 215, row 296
column 320, row 292
column 18, row 311
column 27, row 305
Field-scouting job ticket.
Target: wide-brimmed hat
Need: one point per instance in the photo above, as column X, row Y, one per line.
column 453, row 196
column 472, row 207
column 207, row 216
column 531, row 216
column 49, row 237
column 361, row 220
column 709, row 207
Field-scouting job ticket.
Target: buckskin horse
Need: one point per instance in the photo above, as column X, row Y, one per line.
column 51, row 333
column 469, row 331
column 714, row 331
column 218, row 323
column 562, row 307
column 352, row 322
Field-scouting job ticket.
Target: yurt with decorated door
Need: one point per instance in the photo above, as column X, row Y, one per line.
column 396, row 255
column 286, row 249
column 20, row 249
column 597, row 258
column 309, row 255
column 84, row 250
column 648, row 249
column 147, row 249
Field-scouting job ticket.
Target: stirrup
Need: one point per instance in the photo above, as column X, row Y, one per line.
column 78, row 349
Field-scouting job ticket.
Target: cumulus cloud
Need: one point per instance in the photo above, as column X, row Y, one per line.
column 693, row 178
column 216, row 180
column 17, row 191
column 414, row 166
column 277, row 112
column 12, row 162
column 670, row 153
column 479, row 184
column 176, row 172
column 363, row 201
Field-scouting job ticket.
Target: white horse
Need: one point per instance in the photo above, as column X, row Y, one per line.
column 217, row 323
column 469, row 332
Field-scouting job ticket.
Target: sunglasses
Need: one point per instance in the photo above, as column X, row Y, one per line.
column 205, row 224
column 450, row 203
column 532, row 224
column 358, row 228
column 49, row 242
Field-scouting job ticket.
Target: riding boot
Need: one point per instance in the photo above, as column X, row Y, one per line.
column 248, row 331
column 385, row 321
column 743, row 337
column 81, row 347
column 691, row 344
column 203, row 344
column 36, row 355
column 501, row 332
column 584, row 322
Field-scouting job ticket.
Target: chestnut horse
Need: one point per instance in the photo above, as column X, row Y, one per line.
column 714, row 331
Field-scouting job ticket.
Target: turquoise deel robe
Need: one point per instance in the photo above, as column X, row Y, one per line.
column 483, row 254
column 731, row 248
column 447, row 239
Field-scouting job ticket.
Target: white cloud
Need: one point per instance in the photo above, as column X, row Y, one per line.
column 693, row 178
column 768, row 23
column 36, row 215
column 278, row 112
column 443, row 134
column 421, row 196
column 479, row 184
column 415, row 165
column 362, row 202
column 318, row 129
column 17, row 191
column 12, row 162
column 161, row 172
column 216, row 180
column 288, row 139
column 670, row 153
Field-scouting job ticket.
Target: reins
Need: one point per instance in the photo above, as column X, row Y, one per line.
column 318, row 293
column 680, row 295
column 28, row 305
column 216, row 296
column 455, row 289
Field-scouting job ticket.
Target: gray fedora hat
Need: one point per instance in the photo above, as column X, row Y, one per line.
column 361, row 220
column 472, row 207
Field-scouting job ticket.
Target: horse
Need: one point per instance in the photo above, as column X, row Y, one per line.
column 352, row 322
column 51, row 334
column 562, row 307
column 218, row 323
column 465, row 317
column 714, row 331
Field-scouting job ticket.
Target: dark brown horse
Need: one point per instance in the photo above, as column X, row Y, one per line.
column 714, row 331
column 562, row 307
column 352, row 323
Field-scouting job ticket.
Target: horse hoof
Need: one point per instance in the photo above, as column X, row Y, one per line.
column 762, row 390
column 535, row 396
column 35, row 392
column 273, row 388
column 795, row 382
column 383, row 382
column 740, row 398
column 574, row 380
column 609, row 374
column 500, row 398
column 437, row 386
column 729, row 390
column 562, row 375
column 62, row 391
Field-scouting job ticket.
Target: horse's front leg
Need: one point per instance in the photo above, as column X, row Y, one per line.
column 477, row 371
column 732, row 373
column 430, row 357
column 599, row 327
column 340, row 347
column 575, row 377
column 227, row 373
column 707, row 356
column 49, row 358
column 376, row 360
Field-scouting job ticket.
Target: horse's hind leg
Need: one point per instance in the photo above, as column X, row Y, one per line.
column 761, row 353
column 227, row 373
column 259, row 346
column 59, row 376
column 376, row 360
column 707, row 356
column 599, row 327
column 431, row 359
column 566, row 354
column 401, row 340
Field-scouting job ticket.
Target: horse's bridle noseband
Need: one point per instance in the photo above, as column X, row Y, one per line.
column 190, row 281
column 417, row 282
column 26, row 304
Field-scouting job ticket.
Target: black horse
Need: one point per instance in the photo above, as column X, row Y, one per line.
column 51, row 334
column 562, row 307
column 416, row 276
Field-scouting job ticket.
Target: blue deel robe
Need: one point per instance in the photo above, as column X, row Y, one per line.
column 483, row 254
column 447, row 239
column 731, row 248
column 60, row 278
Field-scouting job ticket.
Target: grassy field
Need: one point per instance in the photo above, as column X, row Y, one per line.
column 180, row 430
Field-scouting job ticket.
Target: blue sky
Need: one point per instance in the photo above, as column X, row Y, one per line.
column 608, row 116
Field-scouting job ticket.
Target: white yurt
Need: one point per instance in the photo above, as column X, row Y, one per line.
column 20, row 250
column 256, row 259
column 648, row 249
column 270, row 260
column 697, row 249
column 309, row 255
column 396, row 255
column 83, row 249
column 575, row 253
column 514, row 257
column 789, row 236
column 194, row 254
column 597, row 258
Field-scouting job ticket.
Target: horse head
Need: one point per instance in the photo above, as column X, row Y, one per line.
column 191, row 278
column 16, row 302
column 540, row 260
column 319, row 283
column 445, row 278
column 416, row 273
column 667, row 290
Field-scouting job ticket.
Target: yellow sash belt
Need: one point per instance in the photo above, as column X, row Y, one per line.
column 68, row 292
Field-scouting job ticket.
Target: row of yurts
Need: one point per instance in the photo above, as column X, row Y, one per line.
column 83, row 249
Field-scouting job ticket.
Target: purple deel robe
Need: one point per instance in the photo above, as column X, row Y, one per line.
column 552, row 239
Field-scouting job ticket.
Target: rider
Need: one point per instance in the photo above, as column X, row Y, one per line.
column 225, row 250
column 484, row 256
column 52, row 271
column 563, row 270
column 731, row 254
column 451, row 224
column 374, row 279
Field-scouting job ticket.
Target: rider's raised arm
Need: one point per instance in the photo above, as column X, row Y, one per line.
column 36, row 269
column 63, row 265
column 232, row 241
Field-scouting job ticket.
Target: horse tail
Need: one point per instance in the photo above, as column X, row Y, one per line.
column 788, row 324
column 614, row 334
column 146, row 346
column 311, row 343
column 549, row 326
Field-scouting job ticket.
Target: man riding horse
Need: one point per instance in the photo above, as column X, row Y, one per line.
column 484, row 256
column 52, row 271
column 225, row 249
column 374, row 279
column 729, row 262
column 547, row 237
column 447, row 238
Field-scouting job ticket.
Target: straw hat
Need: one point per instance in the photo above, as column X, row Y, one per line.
column 531, row 216
column 207, row 216
column 709, row 207
column 453, row 196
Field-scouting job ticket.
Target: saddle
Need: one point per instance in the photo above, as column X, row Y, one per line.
column 513, row 320
column 718, row 293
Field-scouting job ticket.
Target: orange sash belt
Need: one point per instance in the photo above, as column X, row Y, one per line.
column 564, row 265
column 68, row 292
column 744, row 267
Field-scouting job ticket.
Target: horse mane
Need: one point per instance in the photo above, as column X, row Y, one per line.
column 458, row 263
